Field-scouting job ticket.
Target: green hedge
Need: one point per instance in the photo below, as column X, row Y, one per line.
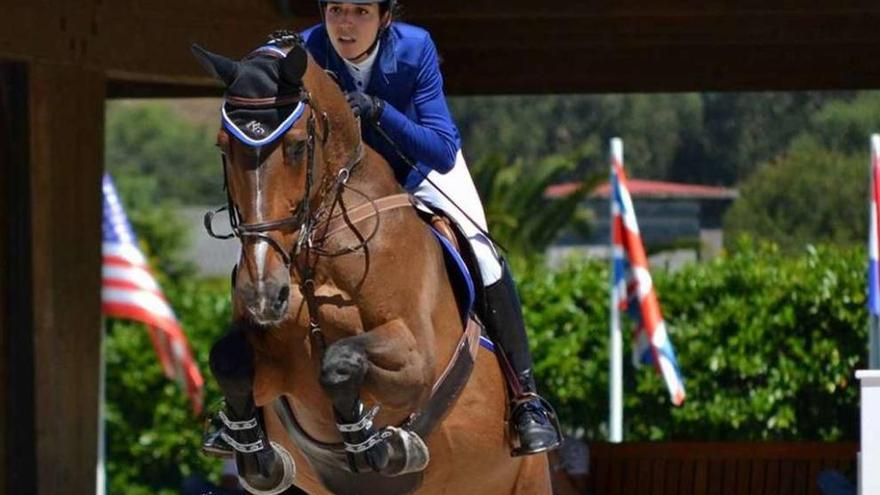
column 768, row 344
column 153, row 438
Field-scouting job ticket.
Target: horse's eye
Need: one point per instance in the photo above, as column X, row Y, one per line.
column 294, row 151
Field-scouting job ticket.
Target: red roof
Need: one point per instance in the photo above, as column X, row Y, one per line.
column 649, row 189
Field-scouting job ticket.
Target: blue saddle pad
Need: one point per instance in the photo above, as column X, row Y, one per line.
column 459, row 275
column 462, row 283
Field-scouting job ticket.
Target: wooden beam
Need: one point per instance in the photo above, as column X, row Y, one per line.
column 626, row 45
column 661, row 69
column 528, row 10
column 18, row 457
column 66, row 149
column 5, row 236
column 630, row 31
column 144, row 42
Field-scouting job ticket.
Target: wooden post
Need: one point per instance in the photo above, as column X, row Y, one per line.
column 17, row 452
column 66, row 161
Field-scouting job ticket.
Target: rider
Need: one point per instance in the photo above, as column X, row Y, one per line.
column 391, row 76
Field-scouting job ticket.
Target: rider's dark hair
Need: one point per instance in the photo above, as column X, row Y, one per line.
column 395, row 12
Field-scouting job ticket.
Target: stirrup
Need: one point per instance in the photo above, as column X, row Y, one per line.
column 545, row 409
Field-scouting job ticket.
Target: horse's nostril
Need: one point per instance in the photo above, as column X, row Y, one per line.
column 283, row 294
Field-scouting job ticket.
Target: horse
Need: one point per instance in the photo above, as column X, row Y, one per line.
column 345, row 308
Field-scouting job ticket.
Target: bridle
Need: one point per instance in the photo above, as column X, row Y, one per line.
column 303, row 219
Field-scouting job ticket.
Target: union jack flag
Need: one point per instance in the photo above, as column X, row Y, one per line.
column 129, row 291
column 873, row 241
column 633, row 286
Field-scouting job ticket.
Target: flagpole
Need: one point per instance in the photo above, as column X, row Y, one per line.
column 873, row 317
column 101, row 478
column 615, row 340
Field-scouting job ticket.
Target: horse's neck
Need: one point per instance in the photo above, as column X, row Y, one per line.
column 373, row 177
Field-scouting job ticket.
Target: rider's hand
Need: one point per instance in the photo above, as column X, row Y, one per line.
column 368, row 107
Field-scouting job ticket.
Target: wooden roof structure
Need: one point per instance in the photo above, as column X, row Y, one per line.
column 60, row 60
column 520, row 46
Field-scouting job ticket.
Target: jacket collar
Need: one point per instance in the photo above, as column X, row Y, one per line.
column 386, row 63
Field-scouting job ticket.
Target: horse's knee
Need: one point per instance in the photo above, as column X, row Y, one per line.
column 232, row 362
column 344, row 367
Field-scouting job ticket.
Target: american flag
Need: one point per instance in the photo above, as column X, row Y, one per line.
column 633, row 286
column 873, row 241
column 129, row 291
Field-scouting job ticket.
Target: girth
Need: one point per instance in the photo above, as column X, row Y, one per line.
column 330, row 460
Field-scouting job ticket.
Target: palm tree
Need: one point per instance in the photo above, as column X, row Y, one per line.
column 521, row 217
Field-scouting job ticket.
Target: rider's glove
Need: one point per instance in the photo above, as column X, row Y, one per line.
column 368, row 107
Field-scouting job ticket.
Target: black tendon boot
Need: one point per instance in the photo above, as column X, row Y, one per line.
column 213, row 443
column 235, row 425
column 532, row 418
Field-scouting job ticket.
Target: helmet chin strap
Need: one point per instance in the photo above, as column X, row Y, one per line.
column 368, row 50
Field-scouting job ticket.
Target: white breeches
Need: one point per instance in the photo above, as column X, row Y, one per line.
column 459, row 186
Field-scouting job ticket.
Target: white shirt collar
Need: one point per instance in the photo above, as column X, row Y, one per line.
column 361, row 71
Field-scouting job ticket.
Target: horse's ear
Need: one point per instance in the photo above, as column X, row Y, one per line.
column 222, row 68
column 293, row 66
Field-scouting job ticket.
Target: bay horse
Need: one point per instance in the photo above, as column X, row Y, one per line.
column 347, row 335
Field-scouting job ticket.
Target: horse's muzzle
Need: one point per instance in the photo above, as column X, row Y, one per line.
column 268, row 303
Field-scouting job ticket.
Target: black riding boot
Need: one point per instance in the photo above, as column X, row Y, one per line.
column 532, row 418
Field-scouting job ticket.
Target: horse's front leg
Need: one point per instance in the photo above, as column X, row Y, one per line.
column 263, row 468
column 387, row 358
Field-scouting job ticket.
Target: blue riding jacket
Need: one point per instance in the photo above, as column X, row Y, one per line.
column 406, row 76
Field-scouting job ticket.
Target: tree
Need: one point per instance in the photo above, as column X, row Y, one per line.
column 817, row 189
column 845, row 126
column 808, row 195
column 151, row 142
column 530, row 128
column 519, row 214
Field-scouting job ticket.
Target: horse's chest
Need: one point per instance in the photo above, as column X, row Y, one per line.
column 337, row 311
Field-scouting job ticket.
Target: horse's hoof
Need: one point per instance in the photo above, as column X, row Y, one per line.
column 407, row 453
column 344, row 366
column 287, row 475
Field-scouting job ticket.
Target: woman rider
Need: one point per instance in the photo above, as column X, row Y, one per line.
column 391, row 76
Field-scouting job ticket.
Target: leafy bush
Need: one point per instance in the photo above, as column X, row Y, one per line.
column 153, row 439
column 768, row 344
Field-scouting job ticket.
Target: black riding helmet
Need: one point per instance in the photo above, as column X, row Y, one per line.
column 389, row 4
column 385, row 6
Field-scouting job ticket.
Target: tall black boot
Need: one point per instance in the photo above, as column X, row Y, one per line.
column 532, row 418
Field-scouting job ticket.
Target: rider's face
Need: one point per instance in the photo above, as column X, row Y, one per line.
column 352, row 28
